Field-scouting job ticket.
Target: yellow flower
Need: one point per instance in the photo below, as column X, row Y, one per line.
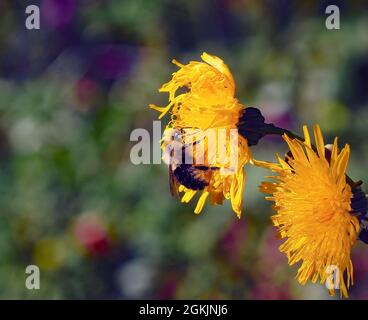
column 313, row 210
column 205, row 107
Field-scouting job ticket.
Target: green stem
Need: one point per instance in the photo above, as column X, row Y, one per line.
column 272, row 129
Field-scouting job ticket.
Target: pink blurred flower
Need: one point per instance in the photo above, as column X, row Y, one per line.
column 265, row 290
column 270, row 257
column 58, row 13
column 110, row 62
column 169, row 287
column 86, row 94
column 231, row 244
column 92, row 235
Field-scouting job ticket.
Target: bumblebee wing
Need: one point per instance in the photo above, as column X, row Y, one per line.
column 173, row 183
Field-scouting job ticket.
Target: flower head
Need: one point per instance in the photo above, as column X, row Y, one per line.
column 313, row 210
column 208, row 100
column 205, row 117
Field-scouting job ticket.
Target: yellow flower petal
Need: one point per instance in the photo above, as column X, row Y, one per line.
column 201, row 202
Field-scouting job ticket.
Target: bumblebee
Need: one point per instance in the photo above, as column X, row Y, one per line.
column 191, row 176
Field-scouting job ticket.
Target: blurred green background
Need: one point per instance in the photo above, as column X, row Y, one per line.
column 100, row 227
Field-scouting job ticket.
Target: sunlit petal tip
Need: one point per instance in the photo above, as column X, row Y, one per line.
column 219, row 64
column 177, row 63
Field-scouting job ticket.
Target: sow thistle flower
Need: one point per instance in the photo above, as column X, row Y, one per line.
column 314, row 206
column 206, row 104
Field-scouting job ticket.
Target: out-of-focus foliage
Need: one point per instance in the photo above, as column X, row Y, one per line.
column 98, row 226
